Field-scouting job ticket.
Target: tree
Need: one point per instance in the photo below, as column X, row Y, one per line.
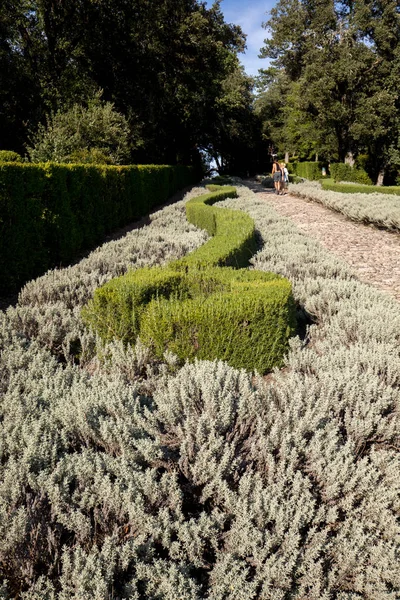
column 19, row 88
column 162, row 64
column 96, row 133
column 338, row 66
column 233, row 133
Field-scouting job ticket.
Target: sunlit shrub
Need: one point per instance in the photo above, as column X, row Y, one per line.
column 129, row 478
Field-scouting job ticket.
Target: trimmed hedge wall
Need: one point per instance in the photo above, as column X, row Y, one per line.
column 344, row 172
column 196, row 309
column 10, row 156
column 50, row 212
column 353, row 188
column 309, row 170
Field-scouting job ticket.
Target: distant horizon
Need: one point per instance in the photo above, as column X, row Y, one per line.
column 250, row 18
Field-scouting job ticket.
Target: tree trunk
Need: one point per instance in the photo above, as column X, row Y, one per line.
column 286, row 157
column 316, row 157
column 381, row 176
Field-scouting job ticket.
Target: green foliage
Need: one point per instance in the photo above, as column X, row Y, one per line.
column 233, row 242
column 125, row 477
column 344, row 172
column 250, row 315
column 9, row 156
column 170, row 67
column 49, row 213
column 331, row 87
column 247, row 326
column 309, row 170
column 268, row 182
column 295, row 179
column 233, row 136
column 24, row 223
column 93, row 134
column 117, row 307
column 221, row 180
column 353, row 188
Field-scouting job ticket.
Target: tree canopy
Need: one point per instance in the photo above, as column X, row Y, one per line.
column 332, row 87
column 170, row 67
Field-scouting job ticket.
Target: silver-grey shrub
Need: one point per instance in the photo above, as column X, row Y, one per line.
column 49, row 307
column 378, row 209
column 127, row 479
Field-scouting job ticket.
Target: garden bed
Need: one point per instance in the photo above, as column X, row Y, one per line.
column 126, row 477
column 376, row 209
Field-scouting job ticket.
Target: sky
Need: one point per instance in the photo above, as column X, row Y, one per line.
column 249, row 14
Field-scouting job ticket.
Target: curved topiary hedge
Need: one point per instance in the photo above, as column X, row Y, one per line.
column 195, row 308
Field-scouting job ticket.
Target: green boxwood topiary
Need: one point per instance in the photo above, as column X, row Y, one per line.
column 247, row 324
column 234, row 240
column 117, row 306
column 197, row 310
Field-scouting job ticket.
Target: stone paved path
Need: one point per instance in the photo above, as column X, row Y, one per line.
column 374, row 254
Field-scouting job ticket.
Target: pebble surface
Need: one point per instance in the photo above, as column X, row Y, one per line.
column 373, row 254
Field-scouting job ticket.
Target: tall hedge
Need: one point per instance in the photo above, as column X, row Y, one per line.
column 309, row 170
column 344, row 172
column 51, row 212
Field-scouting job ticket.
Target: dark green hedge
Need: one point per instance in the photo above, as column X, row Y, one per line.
column 50, row 212
column 309, row 170
column 196, row 309
column 353, row 188
column 10, row 156
column 344, row 172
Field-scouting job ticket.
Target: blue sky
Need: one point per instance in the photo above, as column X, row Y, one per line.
column 249, row 14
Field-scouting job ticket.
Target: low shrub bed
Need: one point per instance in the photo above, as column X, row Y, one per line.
column 197, row 310
column 126, row 477
column 354, row 188
column 50, row 212
column 375, row 209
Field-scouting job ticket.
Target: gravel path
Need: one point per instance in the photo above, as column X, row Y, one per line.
column 373, row 254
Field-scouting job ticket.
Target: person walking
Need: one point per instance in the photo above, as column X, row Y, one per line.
column 277, row 176
column 285, row 177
